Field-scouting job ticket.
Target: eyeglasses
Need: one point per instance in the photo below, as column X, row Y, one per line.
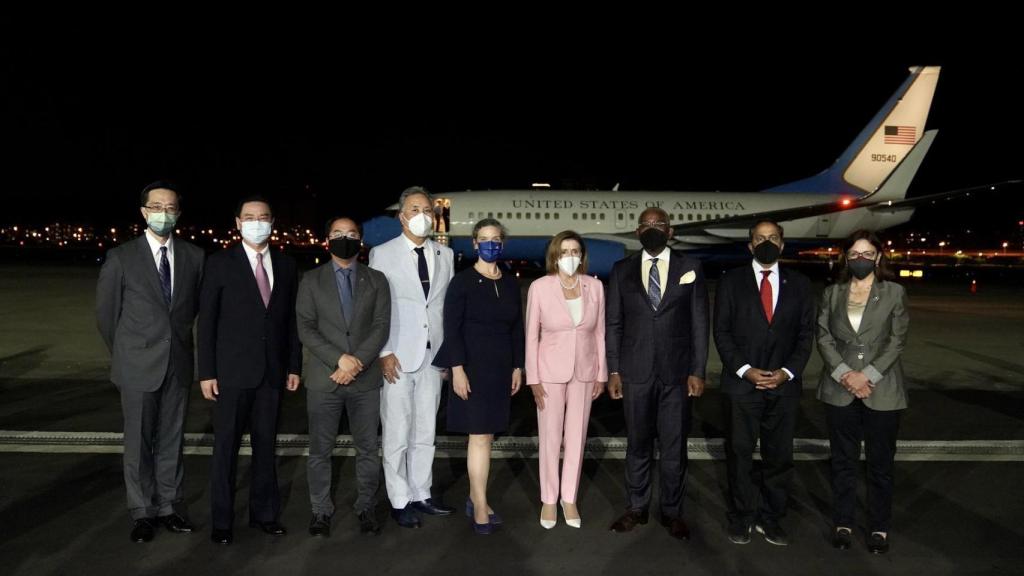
column 169, row 209
column 261, row 218
column 867, row 255
column 774, row 238
column 654, row 224
column 339, row 234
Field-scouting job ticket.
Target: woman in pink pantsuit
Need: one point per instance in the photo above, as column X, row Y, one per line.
column 565, row 368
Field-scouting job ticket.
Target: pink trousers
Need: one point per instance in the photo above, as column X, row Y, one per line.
column 563, row 422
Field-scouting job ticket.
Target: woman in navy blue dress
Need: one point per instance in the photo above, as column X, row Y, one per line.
column 484, row 348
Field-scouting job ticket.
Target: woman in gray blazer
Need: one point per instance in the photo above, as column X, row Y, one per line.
column 862, row 328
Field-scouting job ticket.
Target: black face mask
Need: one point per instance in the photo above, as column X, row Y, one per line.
column 766, row 252
column 861, row 268
column 344, row 248
column 653, row 240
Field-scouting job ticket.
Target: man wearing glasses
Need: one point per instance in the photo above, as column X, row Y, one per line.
column 249, row 351
column 764, row 330
column 146, row 303
column 344, row 314
column 657, row 347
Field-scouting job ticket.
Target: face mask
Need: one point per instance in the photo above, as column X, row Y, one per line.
column 161, row 223
column 256, row 232
column 344, row 248
column 861, row 267
column 489, row 251
column 420, row 225
column 653, row 240
column 569, row 264
column 766, row 252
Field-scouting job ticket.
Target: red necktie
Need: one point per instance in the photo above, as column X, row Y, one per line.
column 766, row 295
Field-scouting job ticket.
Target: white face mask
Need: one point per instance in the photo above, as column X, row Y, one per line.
column 420, row 225
column 569, row 264
column 256, row 232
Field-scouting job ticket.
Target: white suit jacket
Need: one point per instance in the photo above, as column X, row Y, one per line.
column 415, row 320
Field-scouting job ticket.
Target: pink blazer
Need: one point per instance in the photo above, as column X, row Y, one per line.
column 557, row 349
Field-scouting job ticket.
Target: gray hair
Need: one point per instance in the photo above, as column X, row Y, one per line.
column 413, row 191
column 490, row 222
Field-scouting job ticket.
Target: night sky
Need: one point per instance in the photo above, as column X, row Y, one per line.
column 323, row 134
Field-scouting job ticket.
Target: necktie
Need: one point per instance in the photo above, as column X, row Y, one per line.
column 766, row 294
column 262, row 280
column 424, row 275
column 165, row 275
column 346, row 293
column 654, row 285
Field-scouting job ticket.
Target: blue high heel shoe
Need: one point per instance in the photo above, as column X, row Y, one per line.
column 494, row 518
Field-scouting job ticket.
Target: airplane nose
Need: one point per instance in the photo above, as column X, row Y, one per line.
column 380, row 229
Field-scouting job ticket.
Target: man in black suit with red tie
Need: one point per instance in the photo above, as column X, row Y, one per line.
column 657, row 347
column 764, row 330
column 248, row 352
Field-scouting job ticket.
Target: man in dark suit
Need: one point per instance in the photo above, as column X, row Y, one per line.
column 344, row 315
column 764, row 330
column 248, row 351
column 657, row 347
column 146, row 302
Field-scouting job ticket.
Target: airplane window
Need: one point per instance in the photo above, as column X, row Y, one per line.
column 602, row 216
column 583, row 216
column 556, row 215
column 536, row 215
column 490, row 214
column 690, row 216
column 547, row 216
column 632, row 216
column 620, row 216
column 519, row 215
column 470, row 215
column 700, row 217
column 718, row 216
column 527, row 215
column 707, row 216
column 574, row 216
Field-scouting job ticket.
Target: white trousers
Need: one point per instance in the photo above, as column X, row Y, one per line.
column 408, row 414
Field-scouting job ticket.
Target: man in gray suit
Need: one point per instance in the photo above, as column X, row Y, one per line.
column 343, row 311
column 146, row 303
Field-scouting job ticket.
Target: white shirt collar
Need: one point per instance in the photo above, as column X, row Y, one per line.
column 155, row 245
column 662, row 256
column 758, row 269
column 412, row 245
column 251, row 253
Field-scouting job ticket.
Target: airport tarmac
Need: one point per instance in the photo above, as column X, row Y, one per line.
column 958, row 501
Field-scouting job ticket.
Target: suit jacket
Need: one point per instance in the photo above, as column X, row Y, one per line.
column 744, row 336
column 556, row 348
column 241, row 341
column 415, row 320
column 327, row 333
column 670, row 342
column 142, row 334
column 874, row 349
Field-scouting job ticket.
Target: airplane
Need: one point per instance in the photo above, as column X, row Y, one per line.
column 865, row 187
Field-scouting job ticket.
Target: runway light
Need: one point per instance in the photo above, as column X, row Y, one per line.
column 904, row 273
column 845, row 202
column 918, row 273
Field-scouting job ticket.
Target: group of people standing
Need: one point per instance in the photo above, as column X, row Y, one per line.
column 382, row 339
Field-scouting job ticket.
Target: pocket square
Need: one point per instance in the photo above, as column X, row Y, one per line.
column 688, row 277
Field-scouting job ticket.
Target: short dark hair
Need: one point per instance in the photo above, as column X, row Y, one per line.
column 332, row 220
column 661, row 212
column 253, row 198
column 882, row 271
column 165, row 184
column 782, row 233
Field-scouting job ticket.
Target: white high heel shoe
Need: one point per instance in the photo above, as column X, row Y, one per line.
column 549, row 524
column 574, row 522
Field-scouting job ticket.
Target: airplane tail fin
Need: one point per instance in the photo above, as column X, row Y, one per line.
column 882, row 145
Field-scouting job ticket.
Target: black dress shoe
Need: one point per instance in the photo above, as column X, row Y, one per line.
column 773, row 533
column 176, row 523
column 221, row 536
column 368, row 523
column 631, row 519
column 143, row 530
column 842, row 538
column 320, row 525
column 677, row 528
column 878, row 544
column 405, row 517
column 274, row 528
column 739, row 532
column 432, row 508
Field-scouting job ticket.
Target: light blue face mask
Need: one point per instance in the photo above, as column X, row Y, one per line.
column 161, row 223
column 489, row 250
column 255, row 231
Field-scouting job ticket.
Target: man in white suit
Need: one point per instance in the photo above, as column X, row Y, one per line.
column 418, row 270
